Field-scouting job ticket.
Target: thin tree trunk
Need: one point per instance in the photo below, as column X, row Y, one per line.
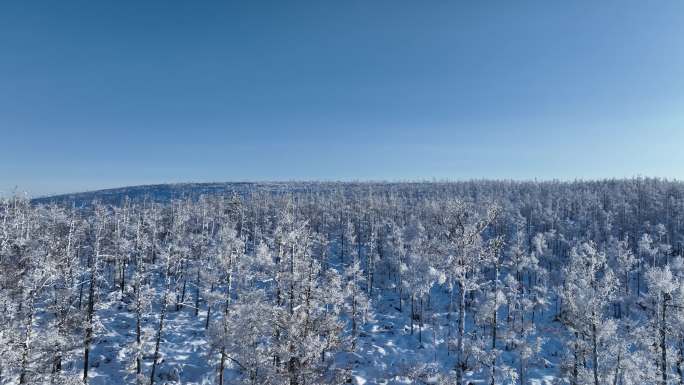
column 89, row 323
column 412, row 312
column 123, row 276
column 162, row 315
column 26, row 346
column 594, row 353
column 206, row 324
column 680, row 361
column 222, row 361
column 222, row 364
column 460, row 363
column 420, row 323
column 663, row 344
column 197, row 292
column 575, row 367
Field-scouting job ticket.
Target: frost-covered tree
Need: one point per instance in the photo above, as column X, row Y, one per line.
column 305, row 319
column 623, row 262
column 230, row 253
column 463, row 235
column 100, row 238
column 587, row 292
column 664, row 291
column 356, row 304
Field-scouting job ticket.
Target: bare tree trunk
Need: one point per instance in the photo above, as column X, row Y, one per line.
column 222, row 361
column 495, row 320
column 575, row 367
column 138, row 323
column 89, row 322
column 354, row 326
column 401, row 300
column 663, row 344
column 293, row 370
column 412, row 311
column 594, row 353
column 222, row 364
column 206, row 325
column 680, row 361
column 26, row 345
column 493, row 368
column 420, row 323
column 179, row 305
column 197, row 292
column 138, row 359
column 162, row 315
column 460, row 354
column 123, row 276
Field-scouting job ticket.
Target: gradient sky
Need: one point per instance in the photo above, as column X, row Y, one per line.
column 97, row 94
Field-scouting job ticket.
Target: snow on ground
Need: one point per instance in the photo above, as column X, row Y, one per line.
column 184, row 351
column 386, row 353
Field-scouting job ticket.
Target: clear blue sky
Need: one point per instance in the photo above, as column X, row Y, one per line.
column 98, row 94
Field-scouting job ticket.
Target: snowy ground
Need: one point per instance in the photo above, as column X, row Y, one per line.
column 184, row 349
column 387, row 353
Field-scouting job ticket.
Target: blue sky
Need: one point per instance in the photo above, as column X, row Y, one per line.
column 97, row 94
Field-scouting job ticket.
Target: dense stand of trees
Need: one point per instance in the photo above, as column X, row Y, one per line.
column 284, row 283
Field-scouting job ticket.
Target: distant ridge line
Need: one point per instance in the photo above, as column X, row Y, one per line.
column 168, row 191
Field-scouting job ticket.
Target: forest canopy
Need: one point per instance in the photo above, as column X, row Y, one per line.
column 329, row 283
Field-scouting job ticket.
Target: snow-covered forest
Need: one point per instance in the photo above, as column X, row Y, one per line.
column 484, row 282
